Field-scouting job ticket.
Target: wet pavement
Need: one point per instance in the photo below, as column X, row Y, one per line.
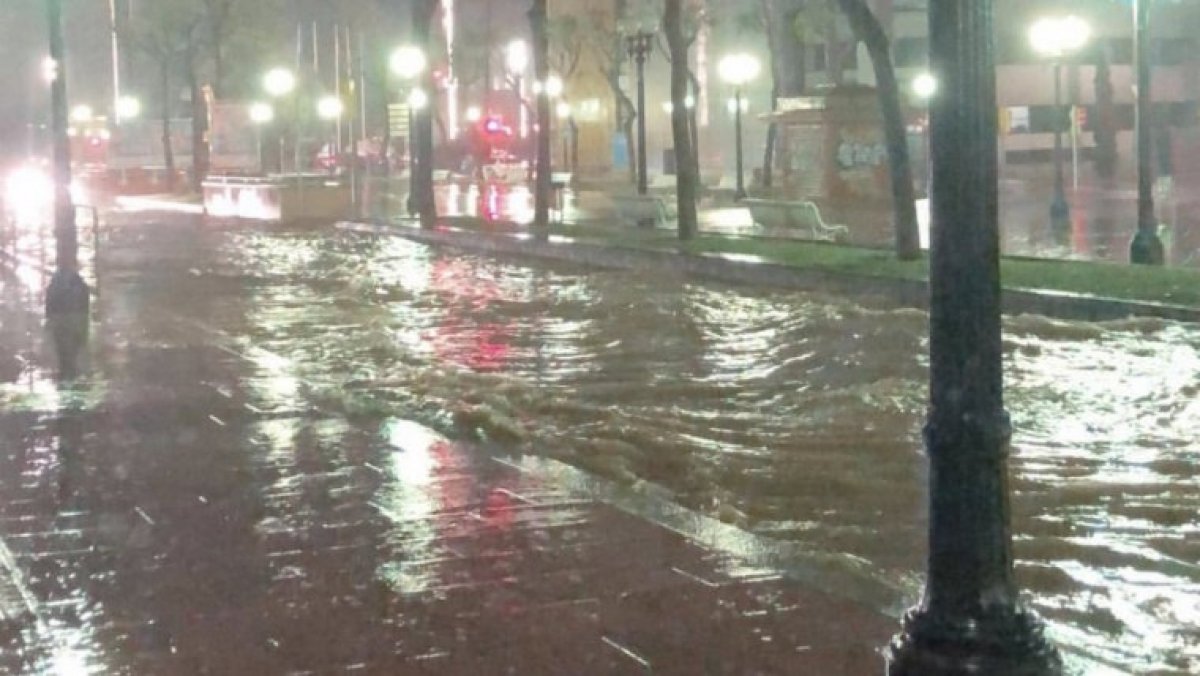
column 257, row 472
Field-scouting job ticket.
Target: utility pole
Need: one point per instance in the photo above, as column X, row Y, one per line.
column 970, row 619
column 68, row 294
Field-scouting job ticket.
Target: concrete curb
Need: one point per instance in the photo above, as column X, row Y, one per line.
column 755, row 271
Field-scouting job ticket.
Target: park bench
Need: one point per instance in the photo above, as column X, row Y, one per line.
column 790, row 215
column 641, row 209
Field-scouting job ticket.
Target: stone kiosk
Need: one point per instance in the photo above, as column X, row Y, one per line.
column 830, row 150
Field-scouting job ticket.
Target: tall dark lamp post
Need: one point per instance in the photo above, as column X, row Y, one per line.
column 1146, row 248
column 924, row 87
column 1056, row 38
column 261, row 114
column 640, row 44
column 280, row 83
column 738, row 70
column 516, row 60
column 970, row 619
column 408, row 63
column 68, row 294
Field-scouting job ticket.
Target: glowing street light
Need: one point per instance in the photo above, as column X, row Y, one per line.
column 1056, row 38
column 689, row 102
column 737, row 105
column 82, row 113
column 516, row 59
column 418, row 99
column 738, row 70
column 408, row 62
column 49, row 69
column 516, row 56
column 554, row 86
column 562, row 110
column 279, row 82
column 474, row 114
column 128, row 108
column 924, row 86
column 261, row 113
column 330, row 108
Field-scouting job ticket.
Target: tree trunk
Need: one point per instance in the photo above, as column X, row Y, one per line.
column 168, row 152
column 870, row 32
column 685, row 163
column 199, row 126
column 422, row 169
column 541, row 68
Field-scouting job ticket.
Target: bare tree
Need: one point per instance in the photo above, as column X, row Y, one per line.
column 607, row 42
column 686, row 175
column 694, row 19
column 217, row 16
column 868, row 29
column 786, row 26
column 168, row 32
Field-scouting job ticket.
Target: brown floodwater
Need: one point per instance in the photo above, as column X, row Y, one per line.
column 792, row 415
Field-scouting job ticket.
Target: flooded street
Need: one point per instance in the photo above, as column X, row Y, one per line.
column 790, row 415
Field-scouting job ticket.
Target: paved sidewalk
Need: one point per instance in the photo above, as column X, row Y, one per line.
column 185, row 507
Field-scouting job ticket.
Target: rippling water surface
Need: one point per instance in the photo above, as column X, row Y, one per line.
column 793, row 415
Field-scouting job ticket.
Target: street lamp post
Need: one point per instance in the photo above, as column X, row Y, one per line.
column 127, row 108
column 924, row 86
column 737, row 70
column 261, row 114
column 553, row 89
column 67, row 295
column 279, row 83
column 564, row 113
column 1057, row 38
column 516, row 59
column 330, row 109
column 409, row 63
column 970, row 619
column 639, row 45
column 1146, row 248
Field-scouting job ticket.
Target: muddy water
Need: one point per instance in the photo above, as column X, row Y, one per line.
column 793, row 415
